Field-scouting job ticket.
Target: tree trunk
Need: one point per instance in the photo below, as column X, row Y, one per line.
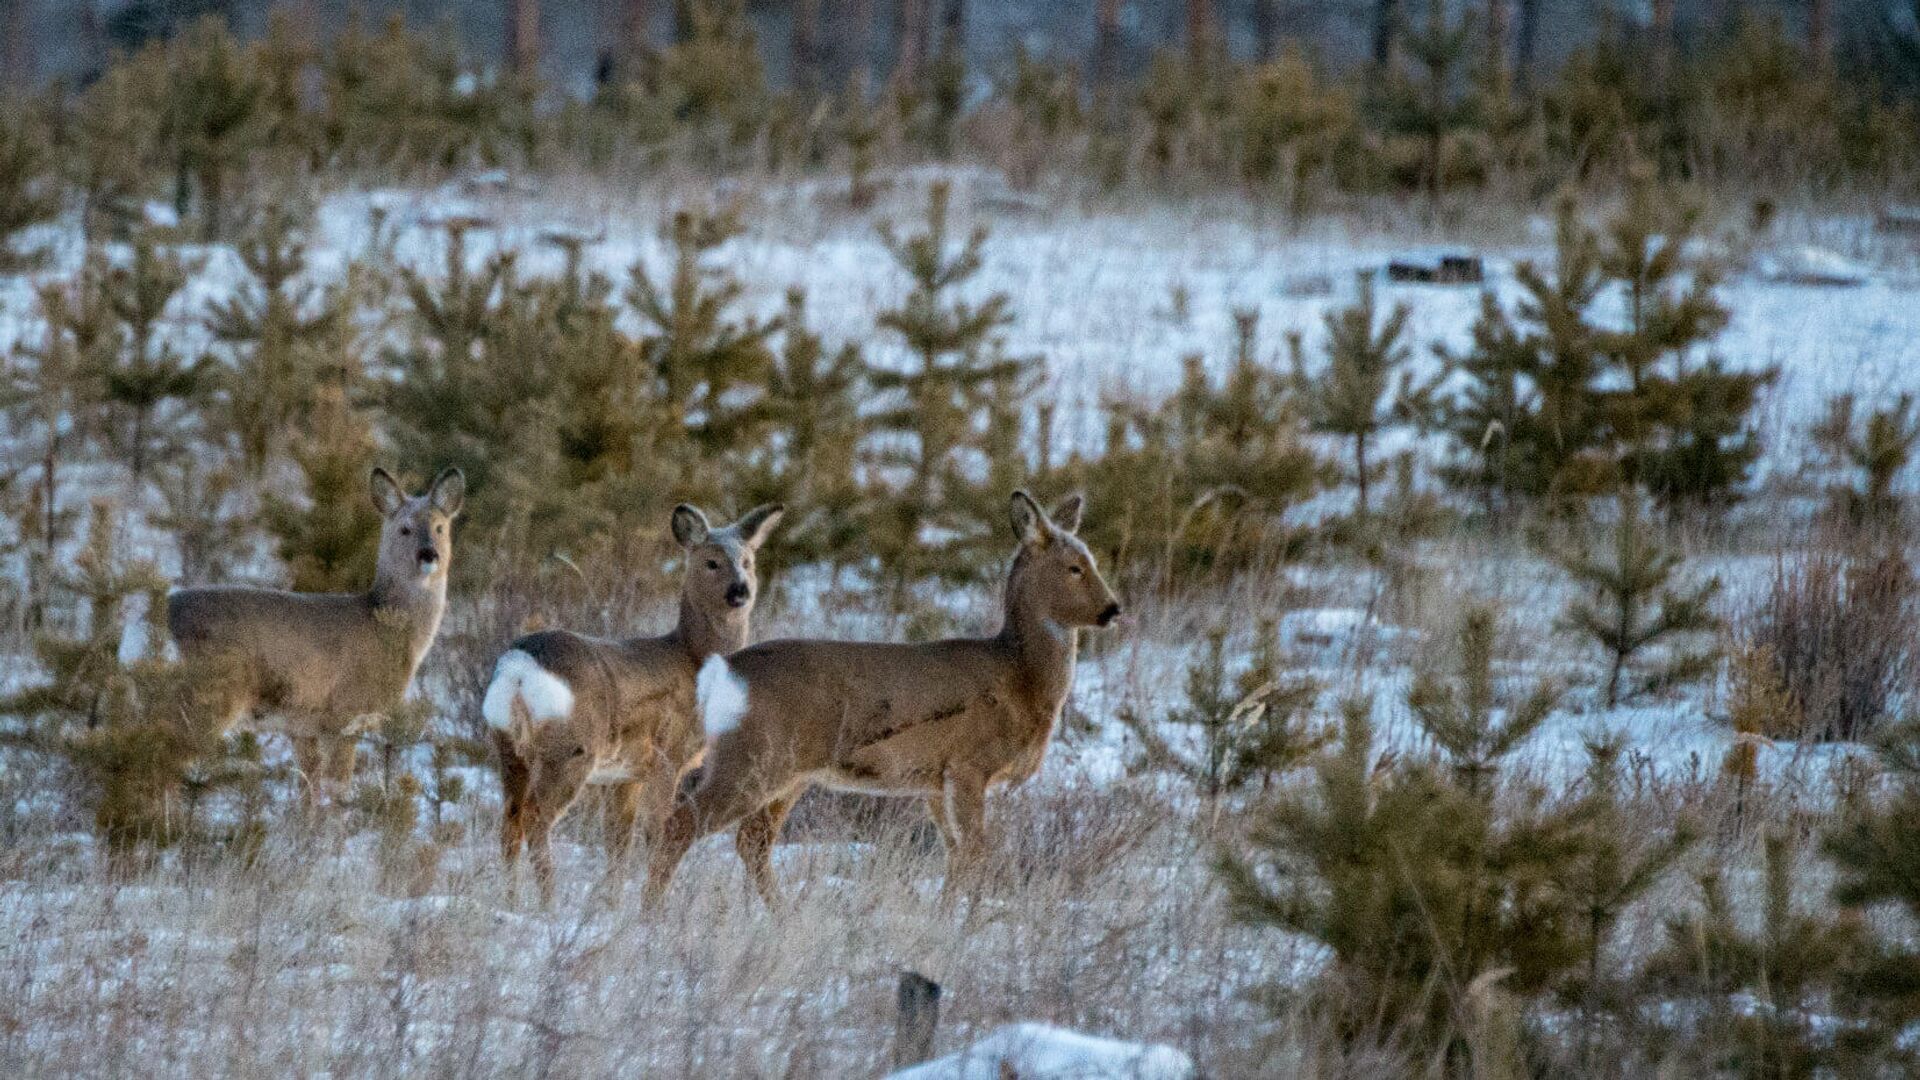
column 1360, row 471
column 1662, row 43
column 635, row 18
column 1200, row 31
column 682, row 21
column 859, row 45
column 523, row 38
column 1266, row 27
column 1106, row 43
column 953, row 27
column 909, row 34
column 1820, row 33
column 1386, row 31
column 806, row 46
column 1524, row 46
column 1499, row 29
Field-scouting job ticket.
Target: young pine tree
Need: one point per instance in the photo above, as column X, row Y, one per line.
column 1432, row 882
column 933, row 428
column 1234, row 729
column 108, row 717
column 29, row 193
column 698, row 346
column 276, row 327
column 1877, row 450
column 1363, row 387
column 1767, row 989
column 1627, row 601
column 147, row 373
column 209, row 120
column 328, row 538
column 1877, row 853
column 1428, row 108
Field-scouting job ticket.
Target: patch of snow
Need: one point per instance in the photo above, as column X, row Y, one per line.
column 1043, row 1052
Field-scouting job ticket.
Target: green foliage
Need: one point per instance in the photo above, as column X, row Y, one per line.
column 1877, row 449
column 397, row 100
column 1364, row 386
column 934, row 424
column 1426, row 114
column 1765, row 990
column 328, row 539
column 117, row 722
column 145, row 373
column 209, row 118
column 277, row 328
column 29, row 195
column 1557, row 401
column 1234, row 729
column 1626, row 601
column 1877, row 853
column 1292, row 125
column 712, row 79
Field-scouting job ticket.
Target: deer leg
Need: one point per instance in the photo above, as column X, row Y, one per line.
column 964, row 799
column 338, row 753
column 725, row 795
column 937, row 809
column 307, row 758
column 552, row 791
column 514, row 778
column 754, row 841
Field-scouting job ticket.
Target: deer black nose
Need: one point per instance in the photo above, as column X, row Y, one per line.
column 738, row 594
column 428, row 555
column 1111, row 613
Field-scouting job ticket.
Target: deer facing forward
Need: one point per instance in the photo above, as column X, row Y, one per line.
column 568, row 710
column 944, row 720
column 320, row 667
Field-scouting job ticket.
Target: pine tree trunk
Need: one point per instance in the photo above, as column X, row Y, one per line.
column 1266, row 28
column 1200, row 31
column 1360, row 469
column 1499, row 29
column 1386, row 31
column 523, row 38
column 1523, row 47
column 682, row 21
column 1662, row 43
column 1820, row 33
column 635, row 16
column 953, row 33
column 859, row 44
column 806, row 46
column 909, row 35
column 1106, row 44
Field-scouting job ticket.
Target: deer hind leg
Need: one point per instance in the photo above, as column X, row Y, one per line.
column 754, row 841
column 338, row 756
column 551, row 793
column 727, row 793
column 514, row 778
column 307, row 757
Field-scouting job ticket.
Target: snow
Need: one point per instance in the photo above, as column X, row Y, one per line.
column 1042, row 1052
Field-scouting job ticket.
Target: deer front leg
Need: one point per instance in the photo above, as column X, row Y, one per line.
column 730, row 790
column 338, row 755
column 311, row 763
column 552, row 789
column 963, row 798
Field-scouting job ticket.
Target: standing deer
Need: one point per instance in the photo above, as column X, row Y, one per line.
column 567, row 710
column 944, row 720
column 322, row 667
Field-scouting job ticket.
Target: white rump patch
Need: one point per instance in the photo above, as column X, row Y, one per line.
column 518, row 675
column 721, row 695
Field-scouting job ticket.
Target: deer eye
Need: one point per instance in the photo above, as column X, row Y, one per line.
column 713, row 564
column 406, row 530
column 1076, row 571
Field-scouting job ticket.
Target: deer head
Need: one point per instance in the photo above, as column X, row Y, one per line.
column 416, row 533
column 720, row 578
column 1053, row 575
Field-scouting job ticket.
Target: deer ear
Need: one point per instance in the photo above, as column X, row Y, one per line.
column 449, row 491
column 756, row 524
column 387, row 496
column 1066, row 513
column 1029, row 521
column 689, row 525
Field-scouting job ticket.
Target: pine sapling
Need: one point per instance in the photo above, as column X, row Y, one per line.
column 1877, row 450
column 1638, row 605
column 1235, row 729
column 1364, row 386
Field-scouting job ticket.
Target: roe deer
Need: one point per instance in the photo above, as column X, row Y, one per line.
column 322, row 666
column 568, row 710
column 944, row 720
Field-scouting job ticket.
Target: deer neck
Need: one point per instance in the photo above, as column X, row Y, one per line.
column 1044, row 651
column 705, row 633
column 410, row 610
